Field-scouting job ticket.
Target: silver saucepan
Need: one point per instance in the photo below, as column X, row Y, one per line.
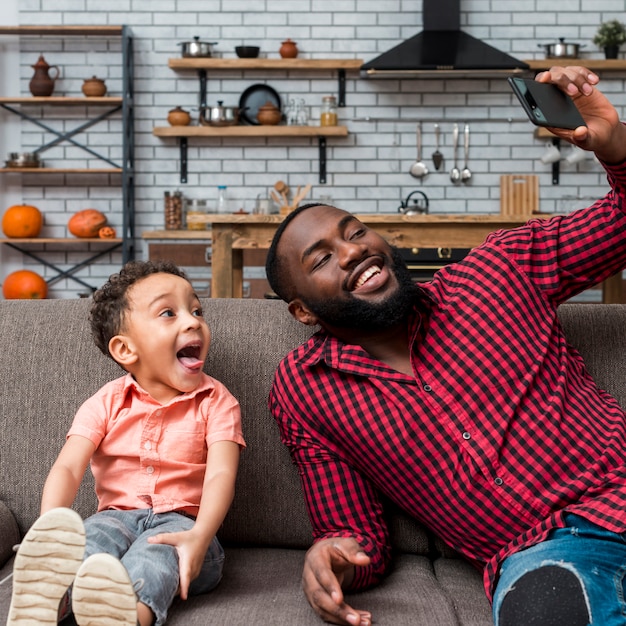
column 197, row 48
column 219, row 115
column 561, row 49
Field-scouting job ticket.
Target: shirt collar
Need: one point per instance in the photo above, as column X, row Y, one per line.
column 326, row 348
column 132, row 386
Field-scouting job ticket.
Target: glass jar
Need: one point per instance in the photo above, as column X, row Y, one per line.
column 328, row 115
column 195, row 209
column 173, row 208
column 222, row 199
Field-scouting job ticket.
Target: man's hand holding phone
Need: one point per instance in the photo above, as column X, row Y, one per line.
column 601, row 131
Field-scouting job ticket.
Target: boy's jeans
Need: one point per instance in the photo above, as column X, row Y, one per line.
column 153, row 568
column 581, row 580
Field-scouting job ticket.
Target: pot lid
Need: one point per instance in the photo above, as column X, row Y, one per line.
column 196, row 39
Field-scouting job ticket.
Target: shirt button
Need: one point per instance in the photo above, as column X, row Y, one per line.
column 498, row 481
column 466, row 436
column 427, row 388
column 149, row 469
column 147, row 445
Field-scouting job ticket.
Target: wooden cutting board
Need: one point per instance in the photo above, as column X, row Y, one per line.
column 519, row 194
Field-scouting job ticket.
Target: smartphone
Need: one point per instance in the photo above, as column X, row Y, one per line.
column 545, row 104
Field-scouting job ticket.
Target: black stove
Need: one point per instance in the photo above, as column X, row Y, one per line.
column 424, row 262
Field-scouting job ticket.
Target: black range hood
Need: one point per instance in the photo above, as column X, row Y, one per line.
column 442, row 47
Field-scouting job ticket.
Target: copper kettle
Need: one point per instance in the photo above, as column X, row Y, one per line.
column 42, row 83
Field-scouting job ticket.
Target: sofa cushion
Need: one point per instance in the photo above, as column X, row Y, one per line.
column 9, row 533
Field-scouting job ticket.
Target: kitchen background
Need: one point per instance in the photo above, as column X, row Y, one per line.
column 368, row 171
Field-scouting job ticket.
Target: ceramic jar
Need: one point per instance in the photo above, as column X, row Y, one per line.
column 178, row 117
column 42, row 83
column 288, row 49
column 94, row 87
column 269, row 114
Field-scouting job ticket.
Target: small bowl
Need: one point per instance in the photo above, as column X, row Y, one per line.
column 247, row 52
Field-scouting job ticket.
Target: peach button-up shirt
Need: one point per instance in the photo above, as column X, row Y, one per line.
column 150, row 455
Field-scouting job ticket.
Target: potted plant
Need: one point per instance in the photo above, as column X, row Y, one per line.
column 610, row 36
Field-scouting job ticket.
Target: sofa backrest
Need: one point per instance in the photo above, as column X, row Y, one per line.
column 49, row 365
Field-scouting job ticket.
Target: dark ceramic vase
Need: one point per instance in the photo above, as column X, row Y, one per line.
column 42, row 84
column 611, row 52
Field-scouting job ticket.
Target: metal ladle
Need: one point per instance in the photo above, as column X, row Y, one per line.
column 466, row 174
column 419, row 169
column 455, row 173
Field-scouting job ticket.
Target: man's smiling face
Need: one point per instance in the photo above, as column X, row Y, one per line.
column 344, row 274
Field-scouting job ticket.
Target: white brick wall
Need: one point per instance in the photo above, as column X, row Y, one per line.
column 367, row 171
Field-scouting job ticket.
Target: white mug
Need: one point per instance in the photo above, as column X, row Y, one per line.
column 551, row 155
column 575, row 155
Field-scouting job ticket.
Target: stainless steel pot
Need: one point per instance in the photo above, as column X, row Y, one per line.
column 562, row 49
column 219, row 115
column 197, row 48
column 24, row 159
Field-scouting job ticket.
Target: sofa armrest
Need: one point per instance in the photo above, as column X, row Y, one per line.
column 9, row 533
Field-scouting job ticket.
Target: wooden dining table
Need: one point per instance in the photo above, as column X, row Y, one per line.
column 231, row 234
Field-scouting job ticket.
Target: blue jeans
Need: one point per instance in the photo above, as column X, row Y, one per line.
column 575, row 577
column 153, row 568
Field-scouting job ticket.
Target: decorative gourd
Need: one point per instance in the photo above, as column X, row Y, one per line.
column 22, row 220
column 107, row 232
column 86, row 223
column 24, row 285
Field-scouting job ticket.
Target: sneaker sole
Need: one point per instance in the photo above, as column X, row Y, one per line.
column 103, row 593
column 45, row 565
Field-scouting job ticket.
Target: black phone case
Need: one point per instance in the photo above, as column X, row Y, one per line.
column 545, row 104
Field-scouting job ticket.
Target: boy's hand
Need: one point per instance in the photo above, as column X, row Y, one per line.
column 191, row 549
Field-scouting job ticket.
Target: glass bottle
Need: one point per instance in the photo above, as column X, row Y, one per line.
column 328, row 115
column 222, row 199
column 173, row 206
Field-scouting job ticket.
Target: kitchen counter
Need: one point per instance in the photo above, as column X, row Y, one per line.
column 233, row 233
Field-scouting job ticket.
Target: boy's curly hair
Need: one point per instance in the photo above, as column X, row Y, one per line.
column 110, row 302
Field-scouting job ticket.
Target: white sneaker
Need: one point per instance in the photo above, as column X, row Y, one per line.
column 45, row 565
column 103, row 593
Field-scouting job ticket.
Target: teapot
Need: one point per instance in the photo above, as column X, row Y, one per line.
column 42, row 84
column 419, row 206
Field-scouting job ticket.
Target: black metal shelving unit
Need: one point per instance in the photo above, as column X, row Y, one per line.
column 107, row 107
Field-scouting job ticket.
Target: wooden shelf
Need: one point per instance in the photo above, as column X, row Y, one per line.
column 250, row 131
column 61, row 240
column 61, row 30
column 204, row 235
column 264, row 64
column 61, row 170
column 610, row 65
column 64, row 100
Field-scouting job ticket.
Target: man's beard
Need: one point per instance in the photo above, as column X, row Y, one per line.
column 352, row 312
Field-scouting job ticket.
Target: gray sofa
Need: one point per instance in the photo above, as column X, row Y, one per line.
column 49, row 365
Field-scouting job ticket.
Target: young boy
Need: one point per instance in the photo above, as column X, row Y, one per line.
column 163, row 442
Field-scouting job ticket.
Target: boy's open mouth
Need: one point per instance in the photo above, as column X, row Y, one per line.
column 189, row 356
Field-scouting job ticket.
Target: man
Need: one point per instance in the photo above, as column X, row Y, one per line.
column 461, row 401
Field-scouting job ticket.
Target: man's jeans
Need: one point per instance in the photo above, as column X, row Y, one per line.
column 574, row 578
column 153, row 568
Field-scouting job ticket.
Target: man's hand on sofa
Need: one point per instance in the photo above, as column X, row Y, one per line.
column 328, row 567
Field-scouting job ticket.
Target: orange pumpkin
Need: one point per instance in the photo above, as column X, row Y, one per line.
column 24, row 285
column 107, row 232
column 22, row 220
column 86, row 223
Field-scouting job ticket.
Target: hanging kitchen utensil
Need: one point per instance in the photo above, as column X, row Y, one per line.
column 455, row 173
column 419, row 169
column 437, row 155
column 466, row 173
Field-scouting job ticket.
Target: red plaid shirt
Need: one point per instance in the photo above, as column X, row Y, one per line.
column 501, row 428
